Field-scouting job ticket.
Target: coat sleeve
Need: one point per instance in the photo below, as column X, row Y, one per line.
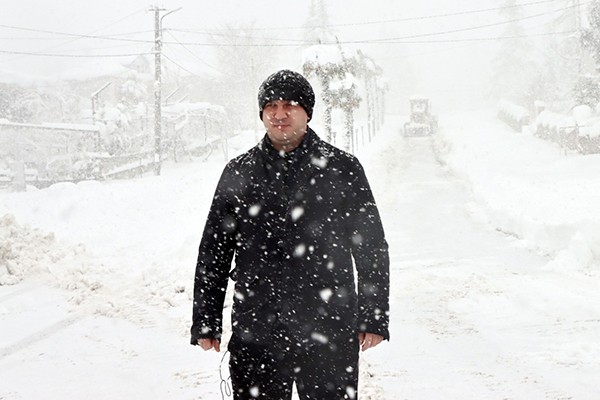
column 370, row 252
column 215, row 253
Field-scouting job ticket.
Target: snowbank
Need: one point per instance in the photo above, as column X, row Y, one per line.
column 513, row 114
column 25, row 251
column 529, row 188
column 513, row 110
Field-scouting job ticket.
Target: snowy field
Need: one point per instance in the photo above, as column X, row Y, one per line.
column 495, row 250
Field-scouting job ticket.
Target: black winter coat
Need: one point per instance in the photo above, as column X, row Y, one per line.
column 295, row 222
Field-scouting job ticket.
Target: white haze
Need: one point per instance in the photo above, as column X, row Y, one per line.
column 494, row 234
column 445, row 70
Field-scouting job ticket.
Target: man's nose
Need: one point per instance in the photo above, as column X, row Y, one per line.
column 280, row 113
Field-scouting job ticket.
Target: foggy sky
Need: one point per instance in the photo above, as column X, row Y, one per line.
column 443, row 68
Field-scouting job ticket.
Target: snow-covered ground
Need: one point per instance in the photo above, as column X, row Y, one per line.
column 495, row 248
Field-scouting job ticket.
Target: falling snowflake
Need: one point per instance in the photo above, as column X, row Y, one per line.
column 319, row 162
column 351, row 392
column 297, row 213
column 326, row 294
column 254, row 392
column 319, row 337
column 300, row 250
column 254, row 210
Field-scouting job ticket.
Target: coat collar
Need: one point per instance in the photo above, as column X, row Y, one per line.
column 272, row 155
column 311, row 156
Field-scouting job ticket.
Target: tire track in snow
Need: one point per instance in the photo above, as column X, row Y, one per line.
column 89, row 300
column 17, row 292
column 40, row 335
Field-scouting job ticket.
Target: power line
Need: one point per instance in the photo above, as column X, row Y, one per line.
column 401, row 39
column 236, row 36
column 435, row 16
column 73, row 55
column 397, row 41
column 87, row 50
column 180, row 66
column 481, row 39
column 190, row 51
column 115, row 36
column 469, row 28
column 386, row 40
column 25, row 38
column 77, row 38
column 407, row 19
column 78, row 35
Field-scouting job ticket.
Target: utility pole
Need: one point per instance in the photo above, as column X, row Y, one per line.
column 157, row 86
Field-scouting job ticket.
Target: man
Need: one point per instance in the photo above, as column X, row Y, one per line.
column 295, row 211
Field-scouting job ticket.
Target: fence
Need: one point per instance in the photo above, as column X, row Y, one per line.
column 42, row 154
column 578, row 131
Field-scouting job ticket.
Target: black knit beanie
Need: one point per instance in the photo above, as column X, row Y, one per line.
column 286, row 85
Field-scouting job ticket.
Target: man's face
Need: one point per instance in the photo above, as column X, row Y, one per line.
column 286, row 122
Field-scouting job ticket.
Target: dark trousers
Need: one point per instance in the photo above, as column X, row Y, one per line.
column 321, row 371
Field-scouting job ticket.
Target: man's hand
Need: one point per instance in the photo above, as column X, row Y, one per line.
column 368, row 340
column 208, row 344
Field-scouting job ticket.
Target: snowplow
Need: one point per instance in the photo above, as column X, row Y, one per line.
column 422, row 122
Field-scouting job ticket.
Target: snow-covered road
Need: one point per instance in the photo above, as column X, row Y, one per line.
column 477, row 312
column 475, row 315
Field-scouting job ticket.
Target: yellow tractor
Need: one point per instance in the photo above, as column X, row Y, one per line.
column 422, row 122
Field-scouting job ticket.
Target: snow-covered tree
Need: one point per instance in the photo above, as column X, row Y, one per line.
column 590, row 37
column 133, row 90
column 345, row 78
column 587, row 91
column 325, row 62
column 344, row 93
column 317, row 27
column 17, row 104
column 134, row 98
column 365, row 68
column 114, row 122
column 243, row 62
column 514, row 66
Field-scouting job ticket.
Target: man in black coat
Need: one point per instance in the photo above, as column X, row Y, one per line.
column 299, row 217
